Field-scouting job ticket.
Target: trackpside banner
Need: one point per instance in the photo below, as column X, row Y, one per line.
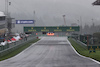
column 24, row 21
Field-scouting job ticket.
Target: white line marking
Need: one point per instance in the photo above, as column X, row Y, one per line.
column 22, row 51
column 38, row 41
column 81, row 55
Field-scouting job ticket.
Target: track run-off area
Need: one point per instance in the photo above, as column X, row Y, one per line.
column 49, row 52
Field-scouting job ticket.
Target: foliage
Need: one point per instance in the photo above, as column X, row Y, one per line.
column 97, row 35
column 17, row 51
column 81, row 50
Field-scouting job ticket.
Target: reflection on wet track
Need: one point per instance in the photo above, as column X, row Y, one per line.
column 49, row 52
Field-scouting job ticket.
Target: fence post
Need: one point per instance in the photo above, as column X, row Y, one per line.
column 87, row 42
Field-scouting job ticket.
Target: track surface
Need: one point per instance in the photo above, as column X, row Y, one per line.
column 49, row 52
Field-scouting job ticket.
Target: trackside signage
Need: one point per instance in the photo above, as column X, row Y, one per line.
column 24, row 21
column 52, row 29
column 94, row 47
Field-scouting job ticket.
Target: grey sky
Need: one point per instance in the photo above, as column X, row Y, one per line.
column 49, row 12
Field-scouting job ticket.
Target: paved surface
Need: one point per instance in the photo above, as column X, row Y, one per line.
column 49, row 52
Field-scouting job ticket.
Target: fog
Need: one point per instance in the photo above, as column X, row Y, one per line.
column 49, row 12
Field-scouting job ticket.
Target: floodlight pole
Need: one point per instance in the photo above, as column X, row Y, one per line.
column 6, row 7
column 34, row 17
column 81, row 24
column 87, row 41
column 64, row 20
column 6, row 13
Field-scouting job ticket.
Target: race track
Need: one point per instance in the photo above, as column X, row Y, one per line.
column 49, row 52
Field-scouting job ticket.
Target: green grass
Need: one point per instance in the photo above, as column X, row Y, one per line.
column 17, row 51
column 83, row 51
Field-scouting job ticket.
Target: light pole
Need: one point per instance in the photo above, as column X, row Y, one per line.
column 93, row 30
column 6, row 7
column 6, row 23
column 81, row 24
column 34, row 17
column 78, row 22
column 7, row 3
column 64, row 19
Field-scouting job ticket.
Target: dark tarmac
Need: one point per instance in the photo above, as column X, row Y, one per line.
column 49, row 52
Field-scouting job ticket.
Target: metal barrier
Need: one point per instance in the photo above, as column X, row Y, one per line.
column 81, row 43
column 13, row 46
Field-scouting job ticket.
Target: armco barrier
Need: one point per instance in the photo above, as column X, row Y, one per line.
column 11, row 47
column 80, row 43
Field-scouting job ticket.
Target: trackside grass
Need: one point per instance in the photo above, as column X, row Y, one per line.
column 83, row 51
column 17, row 51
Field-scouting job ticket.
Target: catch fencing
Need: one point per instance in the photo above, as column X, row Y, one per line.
column 6, row 49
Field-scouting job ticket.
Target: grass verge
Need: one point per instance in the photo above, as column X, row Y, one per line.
column 84, row 51
column 17, row 51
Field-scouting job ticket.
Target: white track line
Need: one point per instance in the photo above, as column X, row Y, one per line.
column 81, row 55
column 38, row 41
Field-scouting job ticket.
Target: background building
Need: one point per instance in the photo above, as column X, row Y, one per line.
column 3, row 27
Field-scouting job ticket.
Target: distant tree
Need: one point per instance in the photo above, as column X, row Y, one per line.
column 86, row 29
column 97, row 35
column 93, row 29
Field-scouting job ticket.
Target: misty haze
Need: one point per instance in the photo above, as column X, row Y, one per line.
column 49, row 12
column 49, row 33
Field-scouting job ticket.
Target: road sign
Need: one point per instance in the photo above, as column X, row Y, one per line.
column 24, row 21
column 52, row 29
column 93, row 47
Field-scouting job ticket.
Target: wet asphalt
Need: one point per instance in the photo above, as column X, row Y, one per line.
column 49, row 52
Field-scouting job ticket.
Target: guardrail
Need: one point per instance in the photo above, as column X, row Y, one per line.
column 81, row 43
column 13, row 46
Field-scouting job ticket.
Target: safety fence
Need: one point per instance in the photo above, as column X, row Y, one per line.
column 6, row 49
column 91, row 42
